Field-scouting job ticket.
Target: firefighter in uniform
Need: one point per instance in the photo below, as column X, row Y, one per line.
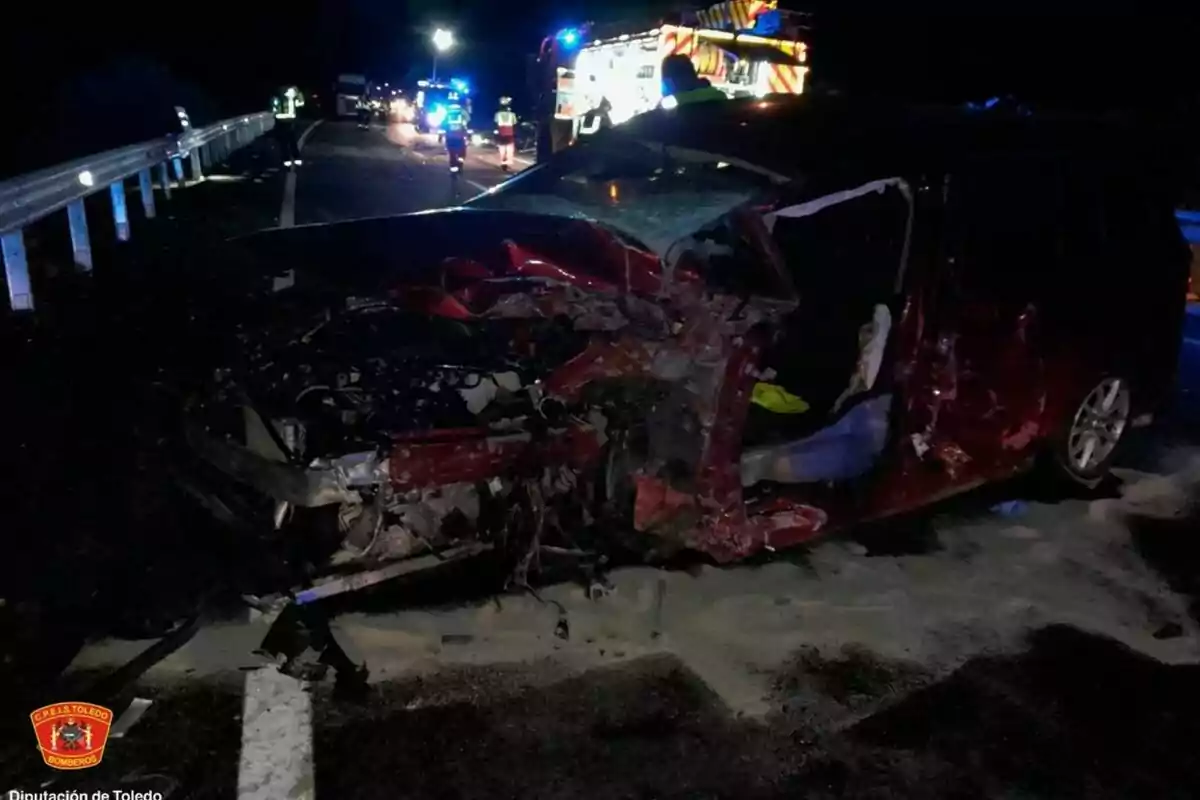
column 682, row 86
column 506, row 133
column 457, row 120
column 285, row 104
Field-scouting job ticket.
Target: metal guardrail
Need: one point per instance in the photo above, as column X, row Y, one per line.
column 26, row 199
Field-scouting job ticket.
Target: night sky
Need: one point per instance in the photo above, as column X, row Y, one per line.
column 100, row 75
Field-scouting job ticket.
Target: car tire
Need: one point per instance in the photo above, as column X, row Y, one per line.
column 1083, row 452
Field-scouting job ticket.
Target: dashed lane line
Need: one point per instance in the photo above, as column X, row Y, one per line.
column 287, row 211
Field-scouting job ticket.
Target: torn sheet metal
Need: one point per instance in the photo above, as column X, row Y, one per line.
column 326, row 482
column 495, row 393
column 816, row 205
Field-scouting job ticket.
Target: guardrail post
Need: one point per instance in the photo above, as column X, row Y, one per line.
column 16, row 270
column 80, row 243
column 164, row 178
column 120, row 212
column 177, row 165
column 147, row 191
column 197, row 171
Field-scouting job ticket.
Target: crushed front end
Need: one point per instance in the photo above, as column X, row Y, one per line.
column 521, row 404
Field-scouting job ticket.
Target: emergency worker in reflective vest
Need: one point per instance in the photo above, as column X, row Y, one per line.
column 506, row 133
column 682, row 86
column 285, row 104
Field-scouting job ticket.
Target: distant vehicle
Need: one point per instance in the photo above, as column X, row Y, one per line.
column 348, row 91
column 727, row 328
column 526, row 136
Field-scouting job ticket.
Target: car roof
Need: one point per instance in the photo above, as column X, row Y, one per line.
column 791, row 134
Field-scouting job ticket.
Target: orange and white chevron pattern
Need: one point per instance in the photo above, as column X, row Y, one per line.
column 679, row 41
column 738, row 15
column 710, row 61
column 785, row 78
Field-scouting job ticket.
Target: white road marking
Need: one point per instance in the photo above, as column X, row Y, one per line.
column 277, row 739
column 287, row 211
column 129, row 717
column 478, row 186
column 307, row 132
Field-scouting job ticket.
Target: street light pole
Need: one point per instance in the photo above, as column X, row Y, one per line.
column 443, row 40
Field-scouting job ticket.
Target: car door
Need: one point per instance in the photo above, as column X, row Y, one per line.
column 1001, row 244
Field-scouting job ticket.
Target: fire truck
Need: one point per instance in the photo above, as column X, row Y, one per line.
column 745, row 48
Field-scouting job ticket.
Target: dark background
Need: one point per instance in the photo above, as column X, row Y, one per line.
column 102, row 76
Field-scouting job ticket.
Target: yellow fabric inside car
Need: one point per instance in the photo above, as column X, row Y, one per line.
column 777, row 400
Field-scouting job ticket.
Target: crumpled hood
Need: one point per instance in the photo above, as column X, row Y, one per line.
column 367, row 258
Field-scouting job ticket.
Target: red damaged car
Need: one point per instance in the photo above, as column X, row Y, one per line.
column 726, row 328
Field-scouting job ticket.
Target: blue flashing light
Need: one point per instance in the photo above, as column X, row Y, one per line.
column 436, row 115
column 991, row 102
column 568, row 37
column 460, row 85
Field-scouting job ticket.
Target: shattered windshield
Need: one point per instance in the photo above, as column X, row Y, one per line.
column 654, row 193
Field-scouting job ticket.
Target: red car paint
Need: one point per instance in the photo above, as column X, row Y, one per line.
column 977, row 396
column 721, row 524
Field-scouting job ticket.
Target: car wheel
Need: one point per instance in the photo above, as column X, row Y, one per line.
column 1086, row 449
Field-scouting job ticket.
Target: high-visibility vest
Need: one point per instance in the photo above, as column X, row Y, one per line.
column 456, row 120
column 506, row 121
column 285, row 105
column 704, row 93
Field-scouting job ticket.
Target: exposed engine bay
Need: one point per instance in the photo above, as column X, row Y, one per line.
column 515, row 403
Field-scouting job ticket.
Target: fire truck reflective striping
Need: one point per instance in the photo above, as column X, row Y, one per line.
column 625, row 69
column 564, row 104
column 710, row 61
column 787, row 78
column 736, row 14
column 679, row 41
column 784, row 79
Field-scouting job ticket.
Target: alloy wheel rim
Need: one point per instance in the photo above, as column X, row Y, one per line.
column 1099, row 424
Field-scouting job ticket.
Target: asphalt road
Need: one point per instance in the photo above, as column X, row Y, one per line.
column 1046, row 650
column 351, row 173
